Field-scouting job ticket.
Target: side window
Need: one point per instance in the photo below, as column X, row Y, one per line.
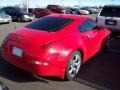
column 92, row 23
column 89, row 24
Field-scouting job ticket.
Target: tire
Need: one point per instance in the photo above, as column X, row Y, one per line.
column 73, row 65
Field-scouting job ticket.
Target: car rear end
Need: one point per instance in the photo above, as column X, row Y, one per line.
column 109, row 17
column 26, row 54
column 34, row 48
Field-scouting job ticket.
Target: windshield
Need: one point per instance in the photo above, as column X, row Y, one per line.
column 50, row 24
column 110, row 12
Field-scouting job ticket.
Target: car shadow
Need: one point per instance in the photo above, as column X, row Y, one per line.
column 13, row 73
column 103, row 70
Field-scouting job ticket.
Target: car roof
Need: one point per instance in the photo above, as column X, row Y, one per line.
column 70, row 16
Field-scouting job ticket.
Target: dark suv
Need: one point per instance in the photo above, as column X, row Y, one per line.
column 56, row 8
column 18, row 14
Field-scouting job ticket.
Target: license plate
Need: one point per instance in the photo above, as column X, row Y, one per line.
column 17, row 51
column 111, row 22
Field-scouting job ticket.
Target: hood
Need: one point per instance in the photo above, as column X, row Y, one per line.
column 32, row 37
column 4, row 15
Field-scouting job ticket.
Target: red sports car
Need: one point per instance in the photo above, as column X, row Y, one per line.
column 55, row 45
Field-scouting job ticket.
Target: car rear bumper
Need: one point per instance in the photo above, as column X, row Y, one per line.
column 26, row 64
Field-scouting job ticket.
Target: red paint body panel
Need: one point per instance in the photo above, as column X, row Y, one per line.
column 54, row 48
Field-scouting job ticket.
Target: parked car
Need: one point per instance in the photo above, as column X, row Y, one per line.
column 56, row 8
column 73, row 11
column 84, row 12
column 4, row 18
column 40, row 12
column 109, row 17
column 91, row 10
column 54, row 45
column 18, row 14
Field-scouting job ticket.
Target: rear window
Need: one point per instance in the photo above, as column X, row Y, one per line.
column 50, row 24
column 110, row 12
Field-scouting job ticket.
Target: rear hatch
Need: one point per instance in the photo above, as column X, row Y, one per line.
column 24, row 42
column 31, row 37
column 109, row 17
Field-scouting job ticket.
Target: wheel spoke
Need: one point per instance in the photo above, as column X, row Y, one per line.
column 77, row 63
column 71, row 70
column 76, row 58
column 74, row 69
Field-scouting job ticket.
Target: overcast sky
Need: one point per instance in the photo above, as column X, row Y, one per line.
column 34, row 3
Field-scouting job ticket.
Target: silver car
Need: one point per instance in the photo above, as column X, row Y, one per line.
column 4, row 18
column 109, row 17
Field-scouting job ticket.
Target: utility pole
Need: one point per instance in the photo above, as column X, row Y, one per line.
column 27, row 4
column 79, row 1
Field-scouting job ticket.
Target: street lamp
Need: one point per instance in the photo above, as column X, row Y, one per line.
column 27, row 4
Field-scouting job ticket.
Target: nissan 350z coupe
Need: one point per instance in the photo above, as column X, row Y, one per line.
column 55, row 45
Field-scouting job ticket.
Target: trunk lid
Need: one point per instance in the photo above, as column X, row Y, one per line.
column 31, row 37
